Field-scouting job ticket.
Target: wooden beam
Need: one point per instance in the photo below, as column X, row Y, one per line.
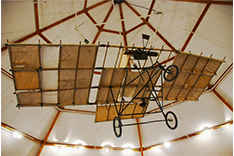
column 92, row 19
column 91, row 147
column 85, row 4
column 206, row 1
column 223, row 100
column 188, row 136
column 23, row 133
column 150, row 26
column 134, row 28
column 195, row 27
column 111, row 31
column 36, row 15
column 139, row 136
column 48, row 133
column 57, row 23
column 123, row 25
column 7, row 73
column 102, row 26
column 73, row 15
column 150, row 10
column 230, row 67
column 44, row 38
column 75, row 111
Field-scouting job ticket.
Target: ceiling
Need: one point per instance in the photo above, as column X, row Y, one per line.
column 196, row 26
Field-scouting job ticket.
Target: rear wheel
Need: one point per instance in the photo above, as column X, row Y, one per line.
column 117, row 126
column 171, row 120
column 171, row 73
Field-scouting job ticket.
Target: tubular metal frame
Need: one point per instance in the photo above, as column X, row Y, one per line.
column 153, row 96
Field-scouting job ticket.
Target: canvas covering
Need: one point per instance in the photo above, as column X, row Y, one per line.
column 66, row 78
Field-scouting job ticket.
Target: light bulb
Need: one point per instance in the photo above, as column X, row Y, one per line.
column 167, row 144
column 17, row 135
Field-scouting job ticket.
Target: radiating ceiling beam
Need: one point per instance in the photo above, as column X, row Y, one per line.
column 85, row 4
column 123, row 25
column 102, row 26
column 224, row 74
column 196, row 26
column 139, row 136
column 7, row 73
column 44, row 38
column 22, row 133
column 36, row 15
column 111, row 31
column 92, row 19
column 223, row 100
column 75, row 111
column 48, row 133
column 150, row 10
column 74, row 15
column 134, row 28
column 206, row 1
column 21, row 39
column 57, row 23
column 150, row 26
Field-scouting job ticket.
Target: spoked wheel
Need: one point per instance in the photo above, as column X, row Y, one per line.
column 117, row 126
column 171, row 73
column 171, row 120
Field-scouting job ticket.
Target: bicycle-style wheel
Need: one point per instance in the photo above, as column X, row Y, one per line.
column 171, row 120
column 117, row 126
column 171, row 73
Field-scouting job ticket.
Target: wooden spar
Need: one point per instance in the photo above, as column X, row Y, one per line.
column 102, row 45
column 123, row 25
column 118, row 55
column 196, row 26
column 104, row 61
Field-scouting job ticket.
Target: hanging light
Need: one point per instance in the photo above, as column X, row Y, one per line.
column 127, row 150
column 107, row 148
column 17, row 135
column 167, row 144
column 205, row 133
